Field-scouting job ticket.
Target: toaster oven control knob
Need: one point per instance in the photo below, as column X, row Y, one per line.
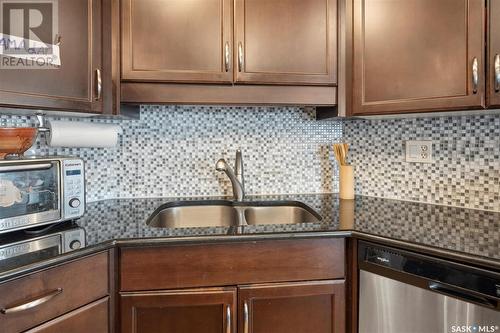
column 74, row 245
column 74, row 203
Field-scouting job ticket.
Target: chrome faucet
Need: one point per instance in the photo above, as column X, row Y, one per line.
column 235, row 176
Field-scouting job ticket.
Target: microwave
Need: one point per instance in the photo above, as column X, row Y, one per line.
column 40, row 191
column 19, row 249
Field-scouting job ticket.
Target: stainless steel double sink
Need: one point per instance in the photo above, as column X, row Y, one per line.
column 222, row 213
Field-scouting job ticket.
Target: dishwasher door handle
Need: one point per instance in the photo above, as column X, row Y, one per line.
column 462, row 294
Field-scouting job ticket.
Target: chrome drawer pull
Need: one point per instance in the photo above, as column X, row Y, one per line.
column 33, row 303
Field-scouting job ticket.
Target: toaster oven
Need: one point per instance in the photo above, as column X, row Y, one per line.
column 40, row 191
column 19, row 249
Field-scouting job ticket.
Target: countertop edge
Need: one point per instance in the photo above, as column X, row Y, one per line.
column 461, row 257
column 54, row 262
column 144, row 242
column 157, row 241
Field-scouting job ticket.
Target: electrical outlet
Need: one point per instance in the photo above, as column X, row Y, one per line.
column 419, row 151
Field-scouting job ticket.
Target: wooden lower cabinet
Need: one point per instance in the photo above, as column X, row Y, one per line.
column 58, row 291
column 209, row 310
column 288, row 286
column 93, row 317
column 305, row 307
column 300, row 307
column 230, row 264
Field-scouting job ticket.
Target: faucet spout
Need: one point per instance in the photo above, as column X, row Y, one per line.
column 236, row 177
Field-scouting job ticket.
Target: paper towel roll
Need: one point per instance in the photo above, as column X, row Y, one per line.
column 82, row 134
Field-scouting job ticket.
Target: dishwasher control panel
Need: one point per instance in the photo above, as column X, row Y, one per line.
column 436, row 273
column 384, row 257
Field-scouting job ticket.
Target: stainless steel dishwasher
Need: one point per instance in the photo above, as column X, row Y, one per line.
column 406, row 292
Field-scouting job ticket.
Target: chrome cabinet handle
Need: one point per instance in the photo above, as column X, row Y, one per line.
column 33, row 303
column 245, row 317
column 58, row 40
column 226, row 57
column 240, row 57
column 497, row 73
column 228, row 318
column 98, row 84
column 475, row 75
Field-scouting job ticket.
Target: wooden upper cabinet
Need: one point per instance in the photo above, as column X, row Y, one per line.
column 286, row 41
column 182, row 311
column 71, row 86
column 417, row 55
column 304, row 307
column 177, row 40
column 493, row 69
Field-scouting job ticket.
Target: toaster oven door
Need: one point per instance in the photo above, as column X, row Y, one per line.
column 30, row 251
column 29, row 195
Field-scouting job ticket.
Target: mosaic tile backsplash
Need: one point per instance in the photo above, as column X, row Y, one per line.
column 466, row 167
column 171, row 151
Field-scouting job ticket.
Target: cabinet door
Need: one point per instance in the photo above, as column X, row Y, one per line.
column 493, row 70
column 184, row 311
column 286, row 41
column 77, row 26
column 177, row 40
column 417, row 55
column 306, row 307
column 93, row 317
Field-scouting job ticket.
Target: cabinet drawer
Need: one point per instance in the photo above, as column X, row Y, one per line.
column 90, row 318
column 185, row 266
column 59, row 290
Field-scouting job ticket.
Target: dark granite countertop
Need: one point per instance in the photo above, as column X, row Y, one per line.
column 463, row 234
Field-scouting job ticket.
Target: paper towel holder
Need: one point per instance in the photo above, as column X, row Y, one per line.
column 41, row 123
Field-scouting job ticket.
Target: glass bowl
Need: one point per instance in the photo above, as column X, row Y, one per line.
column 16, row 140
